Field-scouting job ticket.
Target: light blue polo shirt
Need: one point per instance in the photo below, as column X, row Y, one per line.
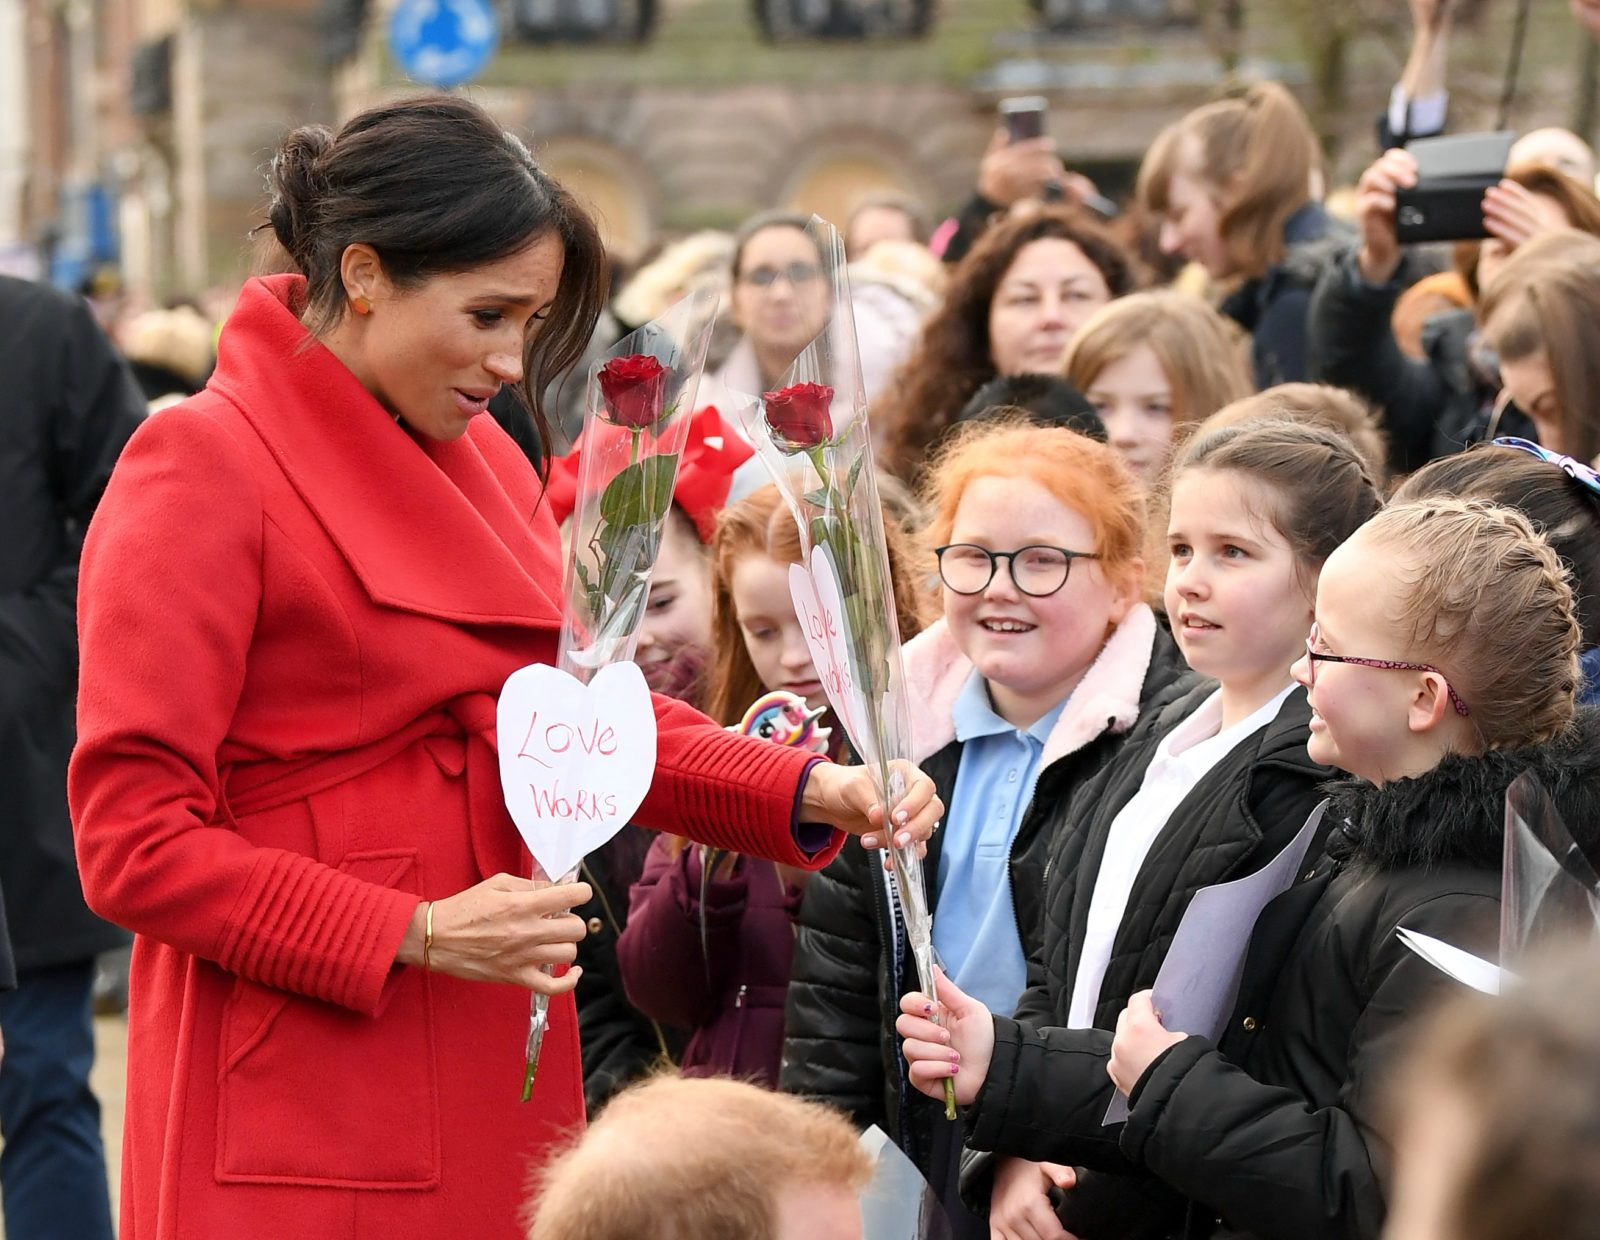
column 974, row 925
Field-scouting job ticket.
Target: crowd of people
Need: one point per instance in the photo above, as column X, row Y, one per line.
column 1203, row 512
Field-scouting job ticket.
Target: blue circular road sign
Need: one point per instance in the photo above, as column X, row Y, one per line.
column 443, row 42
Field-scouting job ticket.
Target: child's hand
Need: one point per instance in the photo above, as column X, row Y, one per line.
column 1019, row 1204
column 961, row 1048
column 1140, row 1040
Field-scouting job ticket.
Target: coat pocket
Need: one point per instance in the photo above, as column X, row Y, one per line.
column 314, row 1094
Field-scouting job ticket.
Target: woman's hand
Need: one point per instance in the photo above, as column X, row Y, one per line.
column 1141, row 1039
column 1013, row 171
column 961, row 1047
column 1019, row 1203
column 506, row 929
column 1511, row 213
column 1379, row 255
column 845, row 797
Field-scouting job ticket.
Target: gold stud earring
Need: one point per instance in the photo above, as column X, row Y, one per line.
column 362, row 305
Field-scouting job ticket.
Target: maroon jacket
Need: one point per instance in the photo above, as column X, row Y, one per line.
column 726, row 981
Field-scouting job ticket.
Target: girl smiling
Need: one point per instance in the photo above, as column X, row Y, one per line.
column 1204, row 792
column 1045, row 658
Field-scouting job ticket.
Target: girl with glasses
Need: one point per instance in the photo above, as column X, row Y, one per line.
column 1206, row 791
column 1045, row 658
column 1443, row 665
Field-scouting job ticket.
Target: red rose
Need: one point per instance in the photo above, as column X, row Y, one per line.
column 799, row 415
column 631, row 388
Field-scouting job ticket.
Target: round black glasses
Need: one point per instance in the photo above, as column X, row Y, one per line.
column 1038, row 571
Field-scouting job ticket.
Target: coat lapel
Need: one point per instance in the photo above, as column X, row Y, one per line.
column 438, row 528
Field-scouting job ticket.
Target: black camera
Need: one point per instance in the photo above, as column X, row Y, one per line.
column 1446, row 204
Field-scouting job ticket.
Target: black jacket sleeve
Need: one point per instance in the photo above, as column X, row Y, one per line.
column 1269, row 1161
column 834, row 1044
column 87, row 407
column 971, row 222
column 1353, row 346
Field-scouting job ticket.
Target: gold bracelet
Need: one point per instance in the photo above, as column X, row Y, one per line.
column 427, row 939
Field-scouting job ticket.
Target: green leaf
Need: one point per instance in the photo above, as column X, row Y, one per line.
column 641, row 493
column 854, row 475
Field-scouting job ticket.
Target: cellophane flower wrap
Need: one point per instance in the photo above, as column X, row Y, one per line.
column 636, row 420
column 638, row 408
column 810, row 431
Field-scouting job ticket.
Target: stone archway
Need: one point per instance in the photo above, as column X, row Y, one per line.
column 839, row 175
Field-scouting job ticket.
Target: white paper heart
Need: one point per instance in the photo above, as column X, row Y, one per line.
column 575, row 760
column 819, row 607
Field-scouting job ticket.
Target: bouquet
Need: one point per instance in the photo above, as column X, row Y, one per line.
column 811, row 434
column 639, row 406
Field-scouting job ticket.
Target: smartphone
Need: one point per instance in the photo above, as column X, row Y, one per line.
column 1023, row 116
column 1446, row 204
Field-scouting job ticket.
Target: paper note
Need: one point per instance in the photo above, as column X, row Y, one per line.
column 1198, row 982
column 575, row 760
column 818, row 605
column 1452, row 961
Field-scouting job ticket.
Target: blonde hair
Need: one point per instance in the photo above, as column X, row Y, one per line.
column 678, row 1159
column 1319, row 404
column 1486, row 598
column 1085, row 475
column 1547, row 296
column 683, row 266
column 1258, row 152
column 1198, row 351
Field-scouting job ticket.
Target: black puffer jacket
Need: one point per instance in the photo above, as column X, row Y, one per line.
column 851, row 967
column 1431, row 406
column 1424, row 853
column 1242, row 814
column 1271, row 1134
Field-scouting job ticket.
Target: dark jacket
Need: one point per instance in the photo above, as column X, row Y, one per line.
column 1272, row 1132
column 712, row 956
column 1237, row 818
column 620, row 1044
column 70, row 405
column 1273, row 306
column 851, row 968
column 1431, row 406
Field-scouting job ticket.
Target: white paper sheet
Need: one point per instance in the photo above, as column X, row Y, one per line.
column 1452, row 961
column 1198, row 982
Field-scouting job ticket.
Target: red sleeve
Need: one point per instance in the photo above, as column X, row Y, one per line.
column 168, row 596
column 729, row 791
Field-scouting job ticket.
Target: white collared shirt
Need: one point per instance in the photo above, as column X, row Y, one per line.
column 1181, row 761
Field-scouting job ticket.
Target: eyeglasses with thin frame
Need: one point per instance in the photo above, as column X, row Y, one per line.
column 795, row 273
column 1573, row 468
column 1315, row 656
column 1037, row 570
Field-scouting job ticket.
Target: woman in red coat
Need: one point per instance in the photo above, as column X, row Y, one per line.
column 298, row 602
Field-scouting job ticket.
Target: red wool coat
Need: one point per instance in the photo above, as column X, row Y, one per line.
column 294, row 619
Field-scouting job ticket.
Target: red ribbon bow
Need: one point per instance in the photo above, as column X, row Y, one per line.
column 711, row 454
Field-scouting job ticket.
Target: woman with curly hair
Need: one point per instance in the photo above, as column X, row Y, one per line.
column 1014, row 304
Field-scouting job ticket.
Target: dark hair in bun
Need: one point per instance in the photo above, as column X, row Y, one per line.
column 433, row 184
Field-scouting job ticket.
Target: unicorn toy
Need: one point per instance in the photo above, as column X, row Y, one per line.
column 784, row 719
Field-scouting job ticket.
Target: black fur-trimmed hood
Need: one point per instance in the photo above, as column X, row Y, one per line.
column 1455, row 813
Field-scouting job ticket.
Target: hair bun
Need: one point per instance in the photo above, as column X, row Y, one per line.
column 297, row 185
